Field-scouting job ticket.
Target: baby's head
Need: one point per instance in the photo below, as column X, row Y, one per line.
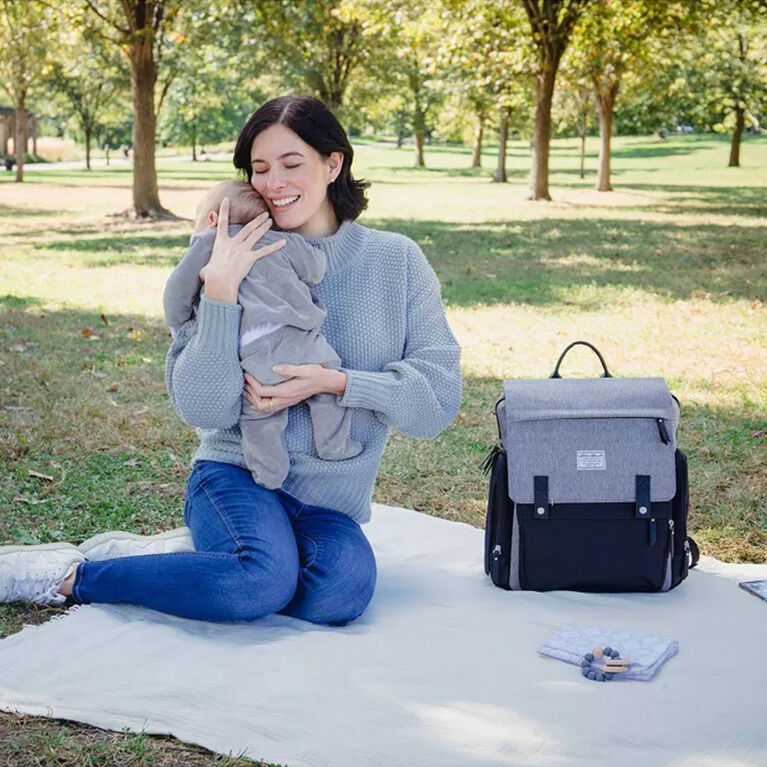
column 245, row 203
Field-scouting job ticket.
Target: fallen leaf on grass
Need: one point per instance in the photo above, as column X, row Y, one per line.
column 104, row 320
column 760, row 434
column 141, row 411
column 31, row 473
column 87, row 333
column 131, row 462
column 18, row 348
column 20, row 499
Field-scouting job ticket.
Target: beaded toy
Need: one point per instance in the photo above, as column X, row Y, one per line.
column 606, row 672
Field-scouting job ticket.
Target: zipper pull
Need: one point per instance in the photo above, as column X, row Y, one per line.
column 653, row 533
column 663, row 431
column 671, row 533
column 487, row 463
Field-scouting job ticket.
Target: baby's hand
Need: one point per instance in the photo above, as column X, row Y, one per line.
column 232, row 257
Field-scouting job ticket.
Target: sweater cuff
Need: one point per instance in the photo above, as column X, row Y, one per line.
column 370, row 390
column 218, row 326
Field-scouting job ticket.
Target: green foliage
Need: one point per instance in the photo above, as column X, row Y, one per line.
column 490, row 61
column 731, row 62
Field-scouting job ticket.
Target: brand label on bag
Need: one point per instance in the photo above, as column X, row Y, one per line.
column 591, row 460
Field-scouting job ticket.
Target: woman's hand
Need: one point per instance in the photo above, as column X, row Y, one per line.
column 232, row 257
column 305, row 381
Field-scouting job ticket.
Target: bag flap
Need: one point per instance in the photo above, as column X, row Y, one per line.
column 587, row 397
column 590, row 437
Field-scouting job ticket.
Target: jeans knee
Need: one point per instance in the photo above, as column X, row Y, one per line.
column 267, row 588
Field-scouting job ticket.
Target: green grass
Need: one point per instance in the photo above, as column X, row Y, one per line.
column 667, row 275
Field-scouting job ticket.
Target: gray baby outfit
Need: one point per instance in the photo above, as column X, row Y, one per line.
column 280, row 323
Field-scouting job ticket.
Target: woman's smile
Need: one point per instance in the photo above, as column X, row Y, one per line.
column 280, row 203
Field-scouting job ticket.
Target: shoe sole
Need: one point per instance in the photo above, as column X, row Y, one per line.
column 122, row 535
column 37, row 547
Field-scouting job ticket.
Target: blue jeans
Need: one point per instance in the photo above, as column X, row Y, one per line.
column 258, row 551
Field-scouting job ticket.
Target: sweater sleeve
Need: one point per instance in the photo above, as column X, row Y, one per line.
column 182, row 289
column 203, row 374
column 420, row 394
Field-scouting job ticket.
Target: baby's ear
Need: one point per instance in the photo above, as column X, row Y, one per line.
column 213, row 218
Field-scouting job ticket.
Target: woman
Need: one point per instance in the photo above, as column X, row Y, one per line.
column 298, row 550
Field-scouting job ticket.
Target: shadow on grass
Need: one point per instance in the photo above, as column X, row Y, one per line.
column 19, row 303
column 720, row 200
column 123, row 247
column 10, row 212
column 570, row 262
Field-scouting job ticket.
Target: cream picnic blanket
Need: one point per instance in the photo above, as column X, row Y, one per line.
column 442, row 669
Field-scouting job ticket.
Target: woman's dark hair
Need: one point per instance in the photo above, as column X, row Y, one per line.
column 318, row 127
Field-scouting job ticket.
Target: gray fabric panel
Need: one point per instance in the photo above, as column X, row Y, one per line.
column 620, row 448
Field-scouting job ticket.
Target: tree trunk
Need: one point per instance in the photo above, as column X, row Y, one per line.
column 419, row 161
column 544, row 91
column 106, row 153
column 194, row 139
column 476, row 159
column 503, row 133
column 146, row 199
column 88, row 148
column 605, row 134
column 736, row 135
column 605, row 93
column 34, row 137
column 19, row 139
column 399, row 139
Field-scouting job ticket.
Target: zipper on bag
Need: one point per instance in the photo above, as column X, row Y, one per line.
column 670, row 558
column 662, row 430
column 653, row 532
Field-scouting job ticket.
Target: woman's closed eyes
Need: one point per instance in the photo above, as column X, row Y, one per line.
column 289, row 167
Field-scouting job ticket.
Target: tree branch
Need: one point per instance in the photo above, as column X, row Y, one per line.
column 105, row 19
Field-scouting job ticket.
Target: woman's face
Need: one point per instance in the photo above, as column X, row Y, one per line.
column 293, row 178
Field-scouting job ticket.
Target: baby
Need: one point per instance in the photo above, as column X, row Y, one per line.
column 280, row 324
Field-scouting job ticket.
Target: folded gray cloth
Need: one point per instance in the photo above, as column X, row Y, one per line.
column 647, row 652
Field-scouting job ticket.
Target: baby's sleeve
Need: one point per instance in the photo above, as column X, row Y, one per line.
column 182, row 290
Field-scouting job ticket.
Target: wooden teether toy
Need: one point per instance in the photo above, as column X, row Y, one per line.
column 613, row 664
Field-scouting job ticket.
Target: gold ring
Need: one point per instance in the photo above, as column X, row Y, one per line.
column 271, row 403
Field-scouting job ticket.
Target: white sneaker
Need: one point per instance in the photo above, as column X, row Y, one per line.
column 34, row 573
column 119, row 543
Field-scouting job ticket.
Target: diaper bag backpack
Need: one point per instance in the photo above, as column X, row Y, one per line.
column 588, row 488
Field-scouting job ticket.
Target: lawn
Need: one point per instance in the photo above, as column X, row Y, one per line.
column 667, row 275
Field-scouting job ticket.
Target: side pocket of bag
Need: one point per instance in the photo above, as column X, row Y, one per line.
column 498, row 523
column 679, row 508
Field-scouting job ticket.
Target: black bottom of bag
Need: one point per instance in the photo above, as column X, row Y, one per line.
column 605, row 550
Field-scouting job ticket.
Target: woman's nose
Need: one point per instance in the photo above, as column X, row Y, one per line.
column 274, row 181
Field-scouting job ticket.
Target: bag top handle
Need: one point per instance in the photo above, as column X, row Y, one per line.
column 555, row 374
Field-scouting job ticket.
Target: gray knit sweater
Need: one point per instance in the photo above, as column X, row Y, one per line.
column 387, row 322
